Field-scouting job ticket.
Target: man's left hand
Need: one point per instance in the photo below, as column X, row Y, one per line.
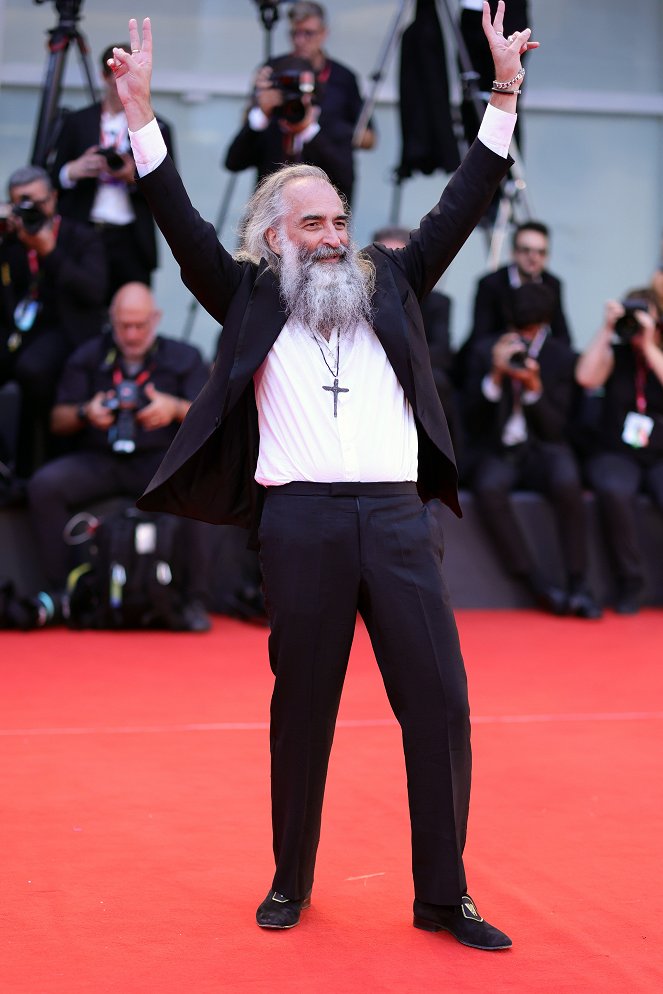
column 506, row 52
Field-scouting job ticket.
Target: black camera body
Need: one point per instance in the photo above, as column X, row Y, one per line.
column 295, row 78
column 519, row 357
column 129, row 398
column 628, row 326
column 114, row 160
column 32, row 217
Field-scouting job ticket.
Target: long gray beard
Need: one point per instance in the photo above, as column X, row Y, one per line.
column 323, row 296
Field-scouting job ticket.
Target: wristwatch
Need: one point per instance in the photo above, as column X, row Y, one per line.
column 82, row 413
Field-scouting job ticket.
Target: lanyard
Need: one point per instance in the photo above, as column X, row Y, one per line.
column 640, row 383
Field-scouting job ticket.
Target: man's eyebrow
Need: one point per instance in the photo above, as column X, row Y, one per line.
column 320, row 217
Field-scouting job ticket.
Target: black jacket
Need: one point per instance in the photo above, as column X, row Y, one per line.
column 493, row 306
column 208, row 472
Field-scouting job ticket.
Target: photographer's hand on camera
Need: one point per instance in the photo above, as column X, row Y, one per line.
column 267, row 96
column 161, row 410
column 527, row 372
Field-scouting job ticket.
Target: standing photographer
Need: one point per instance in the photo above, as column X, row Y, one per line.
column 625, row 360
column 121, row 444
column 94, row 169
column 288, row 122
column 52, row 287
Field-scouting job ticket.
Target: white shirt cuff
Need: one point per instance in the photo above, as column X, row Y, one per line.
column 490, row 389
column 148, row 147
column 258, row 120
column 307, row 135
column 496, row 130
column 64, row 179
column 529, row 397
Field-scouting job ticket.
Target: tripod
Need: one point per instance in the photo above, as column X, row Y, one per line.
column 59, row 40
column 513, row 203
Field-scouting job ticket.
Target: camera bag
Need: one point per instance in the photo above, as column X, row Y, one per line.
column 129, row 575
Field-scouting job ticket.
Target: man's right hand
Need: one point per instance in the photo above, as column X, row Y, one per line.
column 133, row 73
column 87, row 166
column 268, row 97
column 96, row 412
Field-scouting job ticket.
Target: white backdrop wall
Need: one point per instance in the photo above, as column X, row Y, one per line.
column 592, row 117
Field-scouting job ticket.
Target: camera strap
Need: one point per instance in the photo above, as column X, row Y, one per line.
column 640, row 384
column 139, row 379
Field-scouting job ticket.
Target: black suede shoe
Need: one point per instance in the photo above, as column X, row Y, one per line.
column 277, row 911
column 464, row 922
column 583, row 605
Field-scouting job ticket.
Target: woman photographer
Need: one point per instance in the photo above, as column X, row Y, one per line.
column 625, row 361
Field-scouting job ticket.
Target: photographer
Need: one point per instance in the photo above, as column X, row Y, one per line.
column 93, row 166
column 119, row 449
column 625, row 361
column 52, row 288
column 288, row 122
column 519, row 394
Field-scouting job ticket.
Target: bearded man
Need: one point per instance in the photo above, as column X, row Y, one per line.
column 321, row 424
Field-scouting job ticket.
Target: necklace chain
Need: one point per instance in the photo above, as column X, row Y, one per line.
column 324, row 357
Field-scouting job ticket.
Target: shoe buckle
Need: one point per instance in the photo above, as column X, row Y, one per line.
column 469, row 909
column 279, row 898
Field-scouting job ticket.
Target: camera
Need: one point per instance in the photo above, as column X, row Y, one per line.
column 518, row 358
column 294, row 78
column 627, row 326
column 32, row 217
column 128, row 399
column 114, row 160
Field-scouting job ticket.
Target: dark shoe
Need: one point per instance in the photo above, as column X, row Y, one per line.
column 583, row 605
column 551, row 598
column 277, row 911
column 196, row 618
column 464, row 922
column 628, row 597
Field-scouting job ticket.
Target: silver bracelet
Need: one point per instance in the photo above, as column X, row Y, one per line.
column 520, row 75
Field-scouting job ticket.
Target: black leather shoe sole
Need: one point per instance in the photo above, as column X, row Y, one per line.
column 277, row 911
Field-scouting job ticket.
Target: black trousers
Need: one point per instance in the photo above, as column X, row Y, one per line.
column 323, row 559
column 616, row 479
column 546, row 467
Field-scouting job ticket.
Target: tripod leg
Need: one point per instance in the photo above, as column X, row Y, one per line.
column 49, row 102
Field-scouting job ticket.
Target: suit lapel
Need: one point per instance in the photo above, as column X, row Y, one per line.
column 390, row 326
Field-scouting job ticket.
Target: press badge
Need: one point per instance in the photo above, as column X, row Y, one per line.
column 25, row 313
column 145, row 537
column 637, row 429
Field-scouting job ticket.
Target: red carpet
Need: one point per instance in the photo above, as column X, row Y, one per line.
column 135, row 817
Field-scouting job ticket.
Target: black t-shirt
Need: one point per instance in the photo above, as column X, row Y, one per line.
column 173, row 367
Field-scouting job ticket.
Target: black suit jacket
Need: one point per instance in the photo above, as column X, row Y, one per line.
column 547, row 419
column 208, row 472
column 79, row 132
column 331, row 149
column 493, row 306
column 72, row 288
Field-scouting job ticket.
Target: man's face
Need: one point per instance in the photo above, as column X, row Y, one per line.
column 134, row 327
column 315, row 218
column 39, row 193
column 308, row 37
column 530, row 253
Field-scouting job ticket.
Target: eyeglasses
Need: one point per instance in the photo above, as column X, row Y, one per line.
column 531, row 250
column 307, row 33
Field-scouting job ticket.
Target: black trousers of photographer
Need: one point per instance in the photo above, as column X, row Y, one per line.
column 66, row 485
column 327, row 553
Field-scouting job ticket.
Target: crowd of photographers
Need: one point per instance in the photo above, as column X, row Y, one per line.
column 91, row 395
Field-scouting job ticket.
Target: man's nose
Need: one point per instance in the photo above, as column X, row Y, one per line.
column 331, row 236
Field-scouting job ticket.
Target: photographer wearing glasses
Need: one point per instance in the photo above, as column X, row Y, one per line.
column 625, row 362
column 305, row 108
column 52, row 288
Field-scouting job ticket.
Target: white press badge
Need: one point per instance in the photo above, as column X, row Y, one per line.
column 25, row 313
column 637, row 429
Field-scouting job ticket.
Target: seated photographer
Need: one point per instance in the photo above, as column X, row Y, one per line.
column 305, row 108
column 625, row 360
column 124, row 396
column 518, row 396
column 52, row 289
column 93, row 166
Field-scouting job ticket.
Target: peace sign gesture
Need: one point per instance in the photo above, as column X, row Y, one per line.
column 132, row 72
column 506, row 52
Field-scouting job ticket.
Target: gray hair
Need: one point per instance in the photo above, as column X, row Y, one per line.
column 28, row 174
column 267, row 209
column 303, row 9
